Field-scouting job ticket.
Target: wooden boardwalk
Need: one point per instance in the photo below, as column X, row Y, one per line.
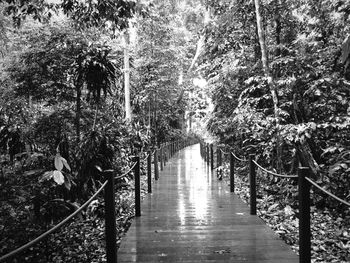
column 192, row 217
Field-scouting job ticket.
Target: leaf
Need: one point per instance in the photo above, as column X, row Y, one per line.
column 344, row 165
column 272, row 207
column 46, row 176
column 32, row 172
column 58, row 177
column 288, row 211
column 223, row 251
column 58, row 162
column 98, row 168
column 65, row 163
column 345, row 50
column 67, row 184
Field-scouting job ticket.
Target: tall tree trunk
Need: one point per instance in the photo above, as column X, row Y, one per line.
column 78, row 88
column 303, row 149
column 127, row 76
column 257, row 48
column 270, row 81
column 78, row 112
column 155, row 120
column 278, row 26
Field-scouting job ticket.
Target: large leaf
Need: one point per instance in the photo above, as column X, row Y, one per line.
column 46, row 176
column 58, row 162
column 65, row 163
column 58, row 177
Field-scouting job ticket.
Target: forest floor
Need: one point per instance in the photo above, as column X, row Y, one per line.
column 330, row 228
column 80, row 240
column 83, row 239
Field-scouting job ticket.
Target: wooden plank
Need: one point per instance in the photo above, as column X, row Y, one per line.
column 192, row 217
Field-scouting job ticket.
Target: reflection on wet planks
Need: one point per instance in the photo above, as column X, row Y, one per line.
column 192, row 217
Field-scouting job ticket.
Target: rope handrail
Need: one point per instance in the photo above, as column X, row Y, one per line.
column 56, row 227
column 326, row 192
column 236, row 157
column 273, row 173
column 223, row 151
column 239, row 159
column 126, row 173
column 145, row 159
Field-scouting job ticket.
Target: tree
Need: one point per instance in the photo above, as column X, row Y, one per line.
column 304, row 40
column 126, row 36
column 164, row 52
column 266, row 67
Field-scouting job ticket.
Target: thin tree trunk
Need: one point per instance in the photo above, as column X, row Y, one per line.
column 127, row 77
column 155, row 120
column 257, row 49
column 78, row 88
column 78, row 113
column 95, row 118
column 264, row 57
column 278, row 27
column 272, row 86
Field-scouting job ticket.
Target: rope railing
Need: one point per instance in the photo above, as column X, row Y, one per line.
column 127, row 172
column 56, row 227
column 168, row 150
column 109, row 198
column 222, row 151
column 238, row 159
column 326, row 192
column 273, row 173
column 304, row 183
column 235, row 156
column 145, row 158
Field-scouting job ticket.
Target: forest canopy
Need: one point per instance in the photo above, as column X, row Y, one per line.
column 88, row 84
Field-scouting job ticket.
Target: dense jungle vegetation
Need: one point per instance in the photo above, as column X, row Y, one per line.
column 283, row 95
column 88, row 83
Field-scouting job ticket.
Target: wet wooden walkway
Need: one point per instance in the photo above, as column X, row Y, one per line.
column 192, row 217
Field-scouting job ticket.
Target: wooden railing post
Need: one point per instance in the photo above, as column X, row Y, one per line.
column 137, row 187
column 111, row 240
column 149, row 172
column 164, row 155
column 202, row 150
column 208, row 154
column 161, row 157
column 304, row 216
column 166, row 152
column 211, row 156
column 252, row 184
column 218, row 160
column 232, row 173
column 156, row 171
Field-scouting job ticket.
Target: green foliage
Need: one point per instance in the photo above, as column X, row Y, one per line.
column 113, row 14
column 94, row 67
column 309, row 64
column 51, row 129
column 43, row 70
column 162, row 55
column 91, row 13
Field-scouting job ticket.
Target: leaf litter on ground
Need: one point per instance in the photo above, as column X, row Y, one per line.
column 330, row 230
